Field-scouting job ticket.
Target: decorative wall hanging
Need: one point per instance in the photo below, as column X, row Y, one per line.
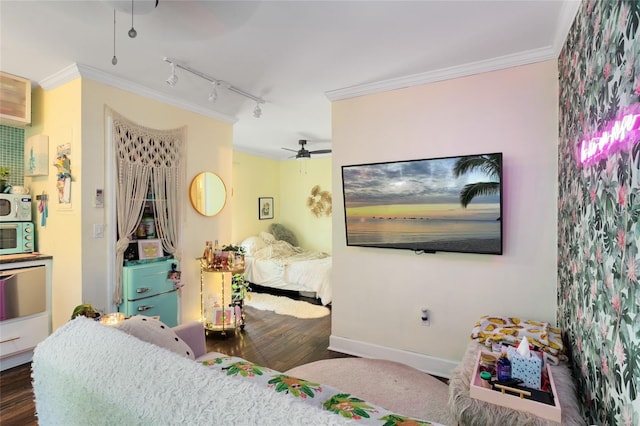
column 319, row 202
column 147, row 159
column 63, row 164
column 265, row 208
column 36, row 156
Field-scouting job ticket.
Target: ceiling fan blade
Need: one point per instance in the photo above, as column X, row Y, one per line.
column 292, row 150
column 320, row 151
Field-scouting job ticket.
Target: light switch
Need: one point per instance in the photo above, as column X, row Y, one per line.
column 98, row 230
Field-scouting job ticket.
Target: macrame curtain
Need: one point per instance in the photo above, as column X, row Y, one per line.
column 147, row 160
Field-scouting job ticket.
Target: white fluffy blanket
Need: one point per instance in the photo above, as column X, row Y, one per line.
column 88, row 373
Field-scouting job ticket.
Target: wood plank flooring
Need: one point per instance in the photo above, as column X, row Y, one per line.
column 276, row 341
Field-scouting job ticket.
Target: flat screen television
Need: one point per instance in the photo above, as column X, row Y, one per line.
column 449, row 204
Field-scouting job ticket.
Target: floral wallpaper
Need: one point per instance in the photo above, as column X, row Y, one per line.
column 599, row 211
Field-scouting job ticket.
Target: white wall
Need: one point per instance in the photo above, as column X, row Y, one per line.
column 378, row 293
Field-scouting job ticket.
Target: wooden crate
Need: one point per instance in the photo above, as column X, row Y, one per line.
column 546, row 411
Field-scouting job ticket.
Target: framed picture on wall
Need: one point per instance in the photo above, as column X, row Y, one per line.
column 149, row 249
column 265, row 208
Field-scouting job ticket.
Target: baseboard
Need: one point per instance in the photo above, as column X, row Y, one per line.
column 16, row 360
column 431, row 365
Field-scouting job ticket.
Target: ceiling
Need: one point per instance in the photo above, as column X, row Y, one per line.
column 296, row 55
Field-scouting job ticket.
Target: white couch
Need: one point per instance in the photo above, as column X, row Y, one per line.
column 89, row 373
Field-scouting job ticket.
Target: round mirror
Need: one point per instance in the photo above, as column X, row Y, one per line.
column 207, row 193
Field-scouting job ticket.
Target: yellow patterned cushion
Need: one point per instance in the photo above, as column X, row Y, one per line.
column 511, row 330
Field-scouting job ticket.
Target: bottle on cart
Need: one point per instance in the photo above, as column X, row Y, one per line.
column 504, row 366
column 217, row 261
column 207, row 253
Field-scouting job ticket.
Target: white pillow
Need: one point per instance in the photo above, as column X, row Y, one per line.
column 267, row 237
column 252, row 245
column 156, row 332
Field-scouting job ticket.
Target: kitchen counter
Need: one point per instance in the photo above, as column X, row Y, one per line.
column 23, row 257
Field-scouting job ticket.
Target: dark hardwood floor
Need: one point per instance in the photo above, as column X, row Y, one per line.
column 276, row 341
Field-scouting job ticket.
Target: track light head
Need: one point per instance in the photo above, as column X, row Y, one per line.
column 213, row 95
column 173, row 78
column 257, row 112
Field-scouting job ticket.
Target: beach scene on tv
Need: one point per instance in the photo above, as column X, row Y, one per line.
column 444, row 204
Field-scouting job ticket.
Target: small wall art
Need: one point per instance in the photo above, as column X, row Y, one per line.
column 36, row 156
column 63, row 164
column 149, row 249
column 265, row 208
column 319, row 202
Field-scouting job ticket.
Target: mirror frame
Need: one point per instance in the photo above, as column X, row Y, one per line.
column 193, row 188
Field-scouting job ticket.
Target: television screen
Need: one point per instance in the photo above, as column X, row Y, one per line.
column 451, row 204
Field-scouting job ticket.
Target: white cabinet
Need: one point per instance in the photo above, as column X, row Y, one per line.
column 15, row 100
column 25, row 307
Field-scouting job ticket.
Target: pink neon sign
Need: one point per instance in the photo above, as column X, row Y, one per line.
column 599, row 147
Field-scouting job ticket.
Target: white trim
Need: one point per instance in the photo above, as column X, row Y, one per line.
column 63, row 76
column 567, row 17
column 494, row 64
column 76, row 70
column 431, row 365
column 110, row 207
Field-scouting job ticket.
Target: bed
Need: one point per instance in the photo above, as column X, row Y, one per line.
column 278, row 264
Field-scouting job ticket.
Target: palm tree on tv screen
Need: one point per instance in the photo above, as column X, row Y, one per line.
column 489, row 165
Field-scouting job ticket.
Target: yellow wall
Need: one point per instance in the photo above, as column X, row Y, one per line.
column 297, row 178
column 253, row 177
column 76, row 112
column 57, row 113
column 290, row 184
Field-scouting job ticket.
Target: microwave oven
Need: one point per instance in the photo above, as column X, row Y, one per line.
column 16, row 237
column 15, row 207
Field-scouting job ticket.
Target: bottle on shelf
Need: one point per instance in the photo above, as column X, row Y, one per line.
column 504, row 366
column 149, row 226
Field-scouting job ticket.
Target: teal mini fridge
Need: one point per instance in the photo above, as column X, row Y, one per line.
column 146, row 290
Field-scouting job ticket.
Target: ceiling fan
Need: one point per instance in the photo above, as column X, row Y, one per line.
column 305, row 153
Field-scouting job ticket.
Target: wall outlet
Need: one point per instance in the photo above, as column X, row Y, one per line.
column 426, row 317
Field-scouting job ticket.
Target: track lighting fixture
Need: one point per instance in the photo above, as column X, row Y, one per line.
column 173, row 78
column 257, row 112
column 213, row 95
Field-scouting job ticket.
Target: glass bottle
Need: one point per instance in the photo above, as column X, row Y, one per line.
column 217, row 261
column 504, row 366
column 207, row 254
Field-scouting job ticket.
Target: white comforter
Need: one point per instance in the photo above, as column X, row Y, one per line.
column 280, row 265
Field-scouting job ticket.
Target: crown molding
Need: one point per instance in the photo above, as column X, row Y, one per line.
column 567, row 16
column 494, row 64
column 76, row 70
column 65, row 75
